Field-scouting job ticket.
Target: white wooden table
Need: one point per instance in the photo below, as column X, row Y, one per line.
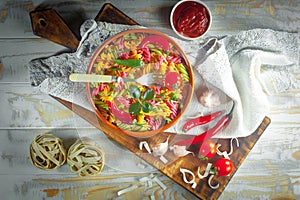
column 271, row 170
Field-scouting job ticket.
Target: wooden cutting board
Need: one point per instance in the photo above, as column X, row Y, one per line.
column 48, row 24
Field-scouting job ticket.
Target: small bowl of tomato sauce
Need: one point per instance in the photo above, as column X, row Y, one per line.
column 190, row 19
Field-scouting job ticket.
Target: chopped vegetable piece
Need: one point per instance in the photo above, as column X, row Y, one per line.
column 192, row 181
column 146, row 145
column 210, row 185
column 207, row 171
column 157, row 40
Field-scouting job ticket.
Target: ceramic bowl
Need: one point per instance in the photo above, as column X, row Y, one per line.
column 118, row 105
column 190, row 19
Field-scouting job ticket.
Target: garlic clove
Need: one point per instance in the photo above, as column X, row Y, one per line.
column 180, row 151
column 161, row 148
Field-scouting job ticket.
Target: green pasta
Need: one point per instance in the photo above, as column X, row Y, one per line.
column 117, row 99
column 183, row 72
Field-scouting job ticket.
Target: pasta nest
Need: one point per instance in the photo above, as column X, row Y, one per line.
column 47, row 152
column 85, row 157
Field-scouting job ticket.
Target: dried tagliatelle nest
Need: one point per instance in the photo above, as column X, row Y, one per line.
column 85, row 157
column 47, row 152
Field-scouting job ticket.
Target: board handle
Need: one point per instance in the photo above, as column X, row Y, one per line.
column 44, row 20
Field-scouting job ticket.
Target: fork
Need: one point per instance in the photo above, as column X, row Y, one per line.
column 150, row 79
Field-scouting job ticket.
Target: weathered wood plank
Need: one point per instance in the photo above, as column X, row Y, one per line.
column 24, row 107
column 271, row 170
column 228, row 17
column 15, row 55
column 261, row 172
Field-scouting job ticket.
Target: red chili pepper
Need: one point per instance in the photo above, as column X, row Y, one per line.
column 157, row 40
column 224, row 121
column 123, row 116
column 200, row 121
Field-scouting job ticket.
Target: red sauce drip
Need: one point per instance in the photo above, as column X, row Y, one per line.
column 191, row 19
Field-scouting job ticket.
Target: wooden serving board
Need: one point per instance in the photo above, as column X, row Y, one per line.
column 48, row 24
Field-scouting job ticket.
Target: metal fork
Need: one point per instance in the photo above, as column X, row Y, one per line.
column 150, row 79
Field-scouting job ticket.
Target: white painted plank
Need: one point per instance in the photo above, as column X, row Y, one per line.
column 228, row 17
column 271, row 170
column 22, row 106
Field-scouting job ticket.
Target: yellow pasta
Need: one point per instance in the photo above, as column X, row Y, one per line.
column 143, row 112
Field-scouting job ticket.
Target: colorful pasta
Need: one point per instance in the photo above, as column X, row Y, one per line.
column 132, row 106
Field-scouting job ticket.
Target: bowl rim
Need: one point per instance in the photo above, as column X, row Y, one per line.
column 185, row 37
column 188, row 99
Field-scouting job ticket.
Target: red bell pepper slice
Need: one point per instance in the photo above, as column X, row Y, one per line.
column 173, row 81
column 123, row 116
column 156, row 40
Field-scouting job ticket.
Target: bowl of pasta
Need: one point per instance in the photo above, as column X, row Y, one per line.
column 131, row 107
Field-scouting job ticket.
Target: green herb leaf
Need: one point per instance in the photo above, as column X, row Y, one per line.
column 147, row 107
column 130, row 63
column 175, row 86
column 148, row 95
column 134, row 109
column 115, row 68
column 135, row 92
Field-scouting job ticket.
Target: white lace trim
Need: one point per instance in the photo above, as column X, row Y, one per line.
column 232, row 64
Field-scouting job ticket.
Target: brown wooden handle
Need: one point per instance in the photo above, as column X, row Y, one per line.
column 49, row 24
column 109, row 13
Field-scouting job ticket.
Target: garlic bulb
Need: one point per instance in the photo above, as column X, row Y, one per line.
column 209, row 98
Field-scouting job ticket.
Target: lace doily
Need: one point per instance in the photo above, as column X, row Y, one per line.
column 47, row 152
column 246, row 67
column 51, row 75
column 85, row 157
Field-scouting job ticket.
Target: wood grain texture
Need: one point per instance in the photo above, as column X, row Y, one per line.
column 270, row 171
column 50, row 25
column 172, row 170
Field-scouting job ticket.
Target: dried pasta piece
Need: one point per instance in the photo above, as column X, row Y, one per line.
column 131, row 127
column 183, row 71
column 47, row 152
column 85, row 157
column 133, row 187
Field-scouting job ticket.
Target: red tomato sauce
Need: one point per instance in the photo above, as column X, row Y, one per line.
column 191, row 19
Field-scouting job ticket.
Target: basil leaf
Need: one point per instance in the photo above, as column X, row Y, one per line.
column 130, row 63
column 134, row 91
column 134, row 109
column 147, row 107
column 148, row 95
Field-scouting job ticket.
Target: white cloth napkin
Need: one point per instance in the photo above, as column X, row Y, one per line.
column 246, row 67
